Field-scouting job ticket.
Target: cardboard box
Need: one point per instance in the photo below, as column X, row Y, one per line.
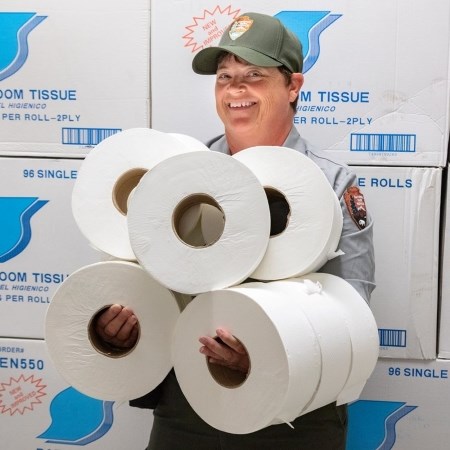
column 444, row 316
column 39, row 410
column 376, row 86
column 40, row 244
column 71, row 74
column 405, row 405
column 405, row 205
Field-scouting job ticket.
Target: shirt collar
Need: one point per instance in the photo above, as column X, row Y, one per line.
column 293, row 140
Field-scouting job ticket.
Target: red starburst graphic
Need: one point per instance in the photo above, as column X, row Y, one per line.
column 20, row 394
column 208, row 28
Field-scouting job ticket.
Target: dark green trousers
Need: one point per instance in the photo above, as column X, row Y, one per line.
column 177, row 427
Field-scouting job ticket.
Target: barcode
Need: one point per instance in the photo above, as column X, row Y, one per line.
column 392, row 338
column 360, row 142
column 86, row 136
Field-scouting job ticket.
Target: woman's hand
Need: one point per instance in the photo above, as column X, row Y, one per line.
column 226, row 351
column 117, row 326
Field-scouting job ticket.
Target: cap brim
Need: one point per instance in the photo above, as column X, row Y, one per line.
column 205, row 61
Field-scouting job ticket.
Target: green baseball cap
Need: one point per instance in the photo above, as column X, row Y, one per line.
column 259, row 39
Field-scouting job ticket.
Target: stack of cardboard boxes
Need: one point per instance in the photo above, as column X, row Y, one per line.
column 71, row 74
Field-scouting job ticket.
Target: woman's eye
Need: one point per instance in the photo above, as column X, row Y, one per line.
column 222, row 76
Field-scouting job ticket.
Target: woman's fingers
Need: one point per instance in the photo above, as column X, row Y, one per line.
column 118, row 325
column 231, row 341
column 108, row 315
column 226, row 351
column 127, row 328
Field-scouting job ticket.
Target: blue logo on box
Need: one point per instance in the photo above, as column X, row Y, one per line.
column 15, row 224
column 371, row 424
column 14, row 29
column 77, row 419
column 308, row 26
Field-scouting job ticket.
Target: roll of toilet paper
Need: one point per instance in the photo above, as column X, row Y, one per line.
column 285, row 360
column 107, row 178
column 327, row 319
column 190, row 141
column 87, row 363
column 314, row 222
column 362, row 328
column 198, row 178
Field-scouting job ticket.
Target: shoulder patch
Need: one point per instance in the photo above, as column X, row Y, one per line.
column 356, row 205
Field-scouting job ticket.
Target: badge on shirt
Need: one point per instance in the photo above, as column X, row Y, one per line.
column 356, row 206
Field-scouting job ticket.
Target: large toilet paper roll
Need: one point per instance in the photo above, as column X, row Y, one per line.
column 181, row 182
column 314, row 222
column 336, row 311
column 285, row 359
column 326, row 318
column 190, row 142
column 362, row 327
column 109, row 175
column 92, row 367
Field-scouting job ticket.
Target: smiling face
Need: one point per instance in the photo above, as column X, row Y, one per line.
column 254, row 103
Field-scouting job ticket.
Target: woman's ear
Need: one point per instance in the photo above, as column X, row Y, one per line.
column 296, row 84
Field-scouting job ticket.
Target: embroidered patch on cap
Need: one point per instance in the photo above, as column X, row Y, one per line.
column 240, row 26
column 356, row 206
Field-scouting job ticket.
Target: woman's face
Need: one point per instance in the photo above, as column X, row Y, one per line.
column 251, row 99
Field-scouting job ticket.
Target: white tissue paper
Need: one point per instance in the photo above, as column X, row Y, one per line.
column 107, row 178
column 346, row 330
column 96, row 370
column 315, row 221
column 190, row 142
column 188, row 180
column 311, row 341
column 285, row 359
column 362, row 327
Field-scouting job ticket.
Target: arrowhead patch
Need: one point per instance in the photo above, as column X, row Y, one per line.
column 356, row 206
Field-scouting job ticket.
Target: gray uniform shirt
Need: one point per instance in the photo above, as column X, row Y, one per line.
column 356, row 265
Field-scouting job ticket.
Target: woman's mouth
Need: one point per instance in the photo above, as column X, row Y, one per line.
column 241, row 104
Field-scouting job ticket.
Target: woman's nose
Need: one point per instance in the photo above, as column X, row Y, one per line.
column 237, row 84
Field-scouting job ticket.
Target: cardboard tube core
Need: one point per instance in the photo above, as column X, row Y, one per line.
column 199, row 200
column 124, row 187
column 102, row 346
column 280, row 212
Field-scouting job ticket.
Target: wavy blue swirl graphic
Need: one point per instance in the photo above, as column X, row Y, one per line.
column 15, row 226
column 372, row 424
column 15, row 28
column 308, row 26
column 77, row 419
